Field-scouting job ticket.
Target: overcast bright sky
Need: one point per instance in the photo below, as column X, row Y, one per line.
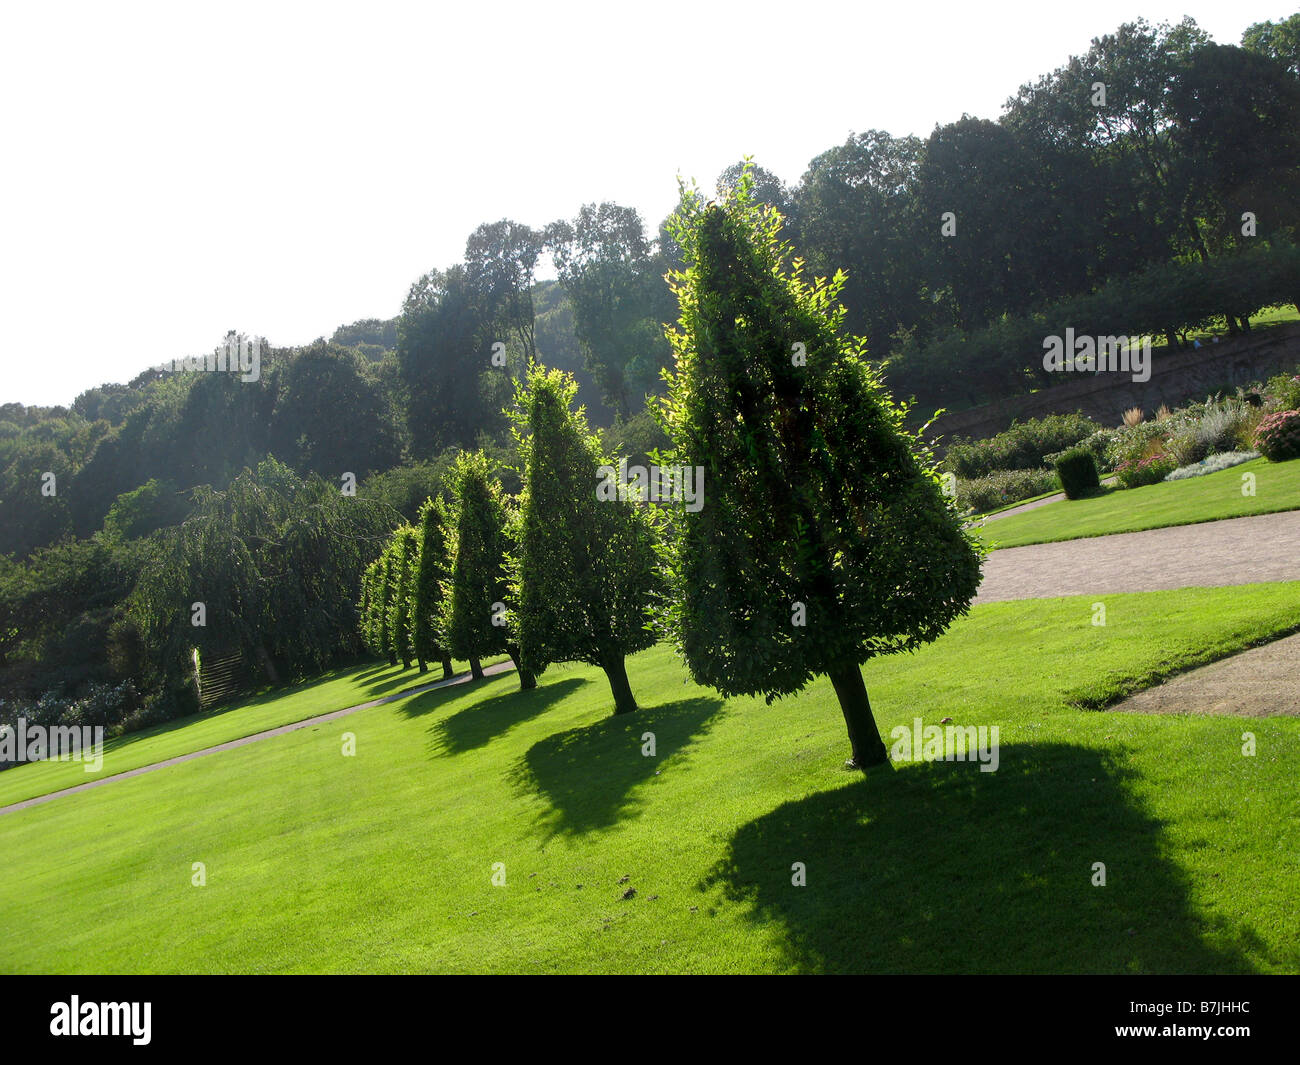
column 171, row 171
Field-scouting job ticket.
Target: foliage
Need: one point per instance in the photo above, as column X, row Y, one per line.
column 613, row 277
column 824, row 539
column 583, row 569
column 276, row 562
column 427, row 636
column 476, row 593
column 1024, row 446
column 1077, row 470
column 1143, row 471
column 1285, row 390
column 1278, row 436
column 1003, row 487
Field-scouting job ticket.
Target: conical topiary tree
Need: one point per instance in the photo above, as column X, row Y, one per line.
column 431, row 572
column 405, row 559
column 368, row 610
column 584, row 568
column 476, row 620
column 824, row 538
column 384, row 602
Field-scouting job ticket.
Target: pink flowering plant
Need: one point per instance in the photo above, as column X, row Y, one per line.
column 1278, row 435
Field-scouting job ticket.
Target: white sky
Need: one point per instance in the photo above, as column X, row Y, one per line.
column 171, row 171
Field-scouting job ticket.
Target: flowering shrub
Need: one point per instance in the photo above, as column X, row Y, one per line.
column 1278, row 435
column 1129, row 443
column 1285, row 388
column 1148, row 470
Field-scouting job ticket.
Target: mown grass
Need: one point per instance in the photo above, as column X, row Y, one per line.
column 255, row 713
column 1155, row 506
column 384, row 861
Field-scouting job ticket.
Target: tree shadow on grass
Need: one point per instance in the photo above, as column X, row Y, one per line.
column 403, row 678
column 481, row 722
column 940, row 868
column 587, row 774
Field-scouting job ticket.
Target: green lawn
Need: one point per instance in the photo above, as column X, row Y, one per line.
column 1208, row 498
column 384, row 861
column 244, row 717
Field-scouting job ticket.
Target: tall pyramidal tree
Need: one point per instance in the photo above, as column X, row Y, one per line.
column 824, row 538
column 405, row 560
column 584, row 568
column 427, row 600
column 384, row 603
column 476, row 620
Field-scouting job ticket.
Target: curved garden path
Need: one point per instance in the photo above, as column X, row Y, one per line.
column 1265, row 547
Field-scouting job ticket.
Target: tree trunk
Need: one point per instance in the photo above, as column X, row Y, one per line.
column 447, row 671
column 423, row 667
column 527, row 682
column 476, row 669
column 392, row 659
column 868, row 747
column 616, row 670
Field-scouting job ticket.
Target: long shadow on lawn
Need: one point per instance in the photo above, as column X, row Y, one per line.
column 403, row 678
column 941, row 868
column 480, row 723
column 587, row 774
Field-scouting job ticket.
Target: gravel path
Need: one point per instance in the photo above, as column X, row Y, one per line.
column 1255, row 683
column 1211, row 554
column 460, row 678
column 1035, row 504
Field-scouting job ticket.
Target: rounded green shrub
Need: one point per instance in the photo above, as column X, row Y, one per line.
column 1077, row 470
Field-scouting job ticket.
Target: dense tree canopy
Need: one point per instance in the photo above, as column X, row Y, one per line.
column 823, row 539
column 585, row 568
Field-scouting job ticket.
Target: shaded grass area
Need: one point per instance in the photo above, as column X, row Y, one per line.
column 384, row 861
column 246, row 716
column 1155, row 506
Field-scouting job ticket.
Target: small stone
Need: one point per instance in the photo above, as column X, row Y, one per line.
column 946, row 721
column 629, row 893
column 624, row 879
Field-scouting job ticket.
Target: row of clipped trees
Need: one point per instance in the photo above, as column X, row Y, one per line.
column 436, row 591
column 823, row 538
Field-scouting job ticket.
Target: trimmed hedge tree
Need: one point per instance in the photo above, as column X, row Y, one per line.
column 824, row 538
column 384, row 603
column 476, row 620
column 584, row 568
column 432, row 571
column 405, row 559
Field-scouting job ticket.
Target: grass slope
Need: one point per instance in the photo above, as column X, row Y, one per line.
column 336, row 690
column 384, row 861
column 1155, row 506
